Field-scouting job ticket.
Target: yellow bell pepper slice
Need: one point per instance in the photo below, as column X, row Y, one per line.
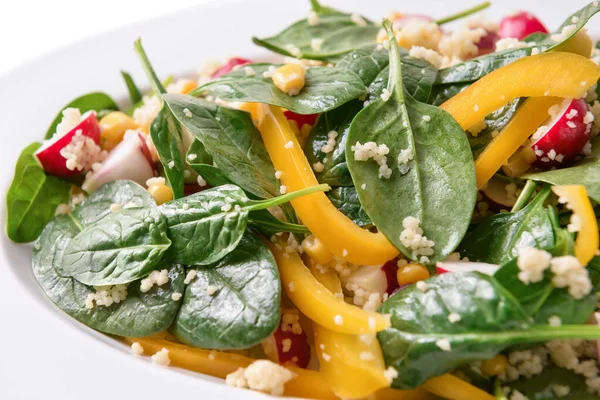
column 452, row 388
column 394, row 394
column 307, row 384
column 337, row 233
column 319, row 304
column 526, row 120
column 581, row 43
column 555, row 74
column 577, row 200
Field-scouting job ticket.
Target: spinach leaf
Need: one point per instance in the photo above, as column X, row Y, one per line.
column 96, row 101
column 491, row 321
column 123, row 246
column 198, row 153
column 441, row 93
column 474, row 69
column 418, row 77
column 208, row 225
column 594, row 271
column 244, row 308
column 325, row 89
column 165, row 131
column 499, row 238
column 540, row 387
column 135, row 96
column 494, row 122
column 438, row 184
column 338, row 32
column 346, row 200
column 366, row 62
column 32, row 198
column 586, row 173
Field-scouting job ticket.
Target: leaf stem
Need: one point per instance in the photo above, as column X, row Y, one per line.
column 283, row 226
column 498, row 392
column 255, row 205
column 157, row 87
column 524, row 196
column 395, row 84
column 464, row 13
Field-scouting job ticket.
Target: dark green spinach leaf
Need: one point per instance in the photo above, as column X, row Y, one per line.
column 325, row 89
column 494, row 122
column 233, row 304
column 418, row 77
column 32, row 198
column 346, row 200
column 135, row 96
column 540, row 387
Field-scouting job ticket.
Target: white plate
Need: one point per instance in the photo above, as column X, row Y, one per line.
column 44, row 353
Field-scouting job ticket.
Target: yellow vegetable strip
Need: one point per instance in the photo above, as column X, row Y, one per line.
column 526, row 120
column 354, row 367
column 577, row 199
column 319, row 304
column 337, row 233
column 452, row 388
column 555, row 74
column 394, row 394
column 307, row 384
column 581, row 43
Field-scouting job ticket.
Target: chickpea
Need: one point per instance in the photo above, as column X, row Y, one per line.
column 411, row 273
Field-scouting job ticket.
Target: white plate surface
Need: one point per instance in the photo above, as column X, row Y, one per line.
column 46, row 355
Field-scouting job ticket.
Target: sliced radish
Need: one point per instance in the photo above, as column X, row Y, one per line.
column 466, row 266
column 301, row 119
column 495, row 191
column 520, row 25
column 401, row 20
column 487, row 44
column 228, row 67
column 287, row 348
column 130, row 160
column 564, row 135
column 374, row 278
column 49, row 155
column 390, row 269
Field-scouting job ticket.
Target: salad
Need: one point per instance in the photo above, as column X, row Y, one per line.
column 405, row 209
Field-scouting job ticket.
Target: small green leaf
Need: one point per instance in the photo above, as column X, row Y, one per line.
column 324, row 89
column 135, row 96
column 32, row 198
column 242, row 311
column 346, row 200
column 540, row 387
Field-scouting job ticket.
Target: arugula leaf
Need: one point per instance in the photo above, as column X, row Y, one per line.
column 346, row 200
column 165, row 131
column 135, row 96
column 491, row 321
column 438, row 186
column 96, row 101
column 476, row 68
column 243, row 310
column 540, row 387
column 123, row 246
column 32, row 198
column 499, row 238
column 325, row 89
column 339, row 32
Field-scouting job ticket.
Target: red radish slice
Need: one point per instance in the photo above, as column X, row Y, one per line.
column 564, row 135
column 130, row 160
column 301, row 119
column 487, row 44
column 520, row 25
column 49, row 155
column 287, row 348
column 228, row 67
column 390, row 269
column 402, row 20
column 495, row 192
column 466, row 266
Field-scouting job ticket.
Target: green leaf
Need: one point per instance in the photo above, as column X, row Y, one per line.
column 199, row 154
column 491, row 321
column 476, row 68
column 464, row 13
column 494, row 122
column 244, row 309
column 339, row 32
column 325, row 89
column 96, row 101
column 346, row 200
column 438, row 185
column 499, row 238
column 32, row 198
column 441, row 93
column 266, row 223
column 135, row 96
column 120, row 248
column 418, row 77
column 540, row 387
column 366, row 62
column 594, row 271
column 211, row 174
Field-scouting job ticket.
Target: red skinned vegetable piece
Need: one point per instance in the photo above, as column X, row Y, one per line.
column 228, row 67
column 520, row 25
column 300, row 118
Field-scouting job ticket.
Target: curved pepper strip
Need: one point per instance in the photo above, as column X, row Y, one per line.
column 555, row 74
column 452, row 388
column 581, row 43
column 307, row 384
column 338, row 234
column 577, row 200
column 319, row 304
column 350, row 376
column 526, row 120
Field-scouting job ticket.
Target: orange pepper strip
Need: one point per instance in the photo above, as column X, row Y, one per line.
column 319, row 304
column 577, row 199
column 556, row 74
column 452, row 388
column 308, row 384
column 526, row 120
column 337, row 233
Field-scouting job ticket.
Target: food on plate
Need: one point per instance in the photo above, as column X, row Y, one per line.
column 393, row 210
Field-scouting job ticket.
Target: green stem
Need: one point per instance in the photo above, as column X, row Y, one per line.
column 464, row 13
column 524, row 196
column 282, row 226
column 255, row 205
column 395, row 81
column 134, row 93
column 498, row 392
column 157, row 87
